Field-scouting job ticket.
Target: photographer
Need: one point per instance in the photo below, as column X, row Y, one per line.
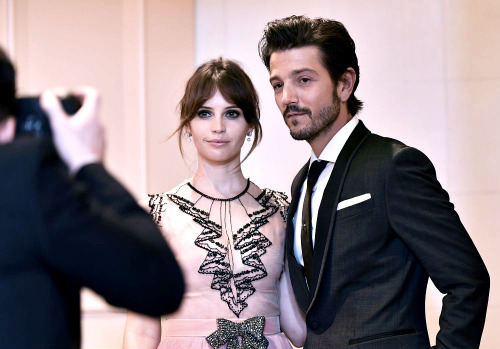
column 60, row 231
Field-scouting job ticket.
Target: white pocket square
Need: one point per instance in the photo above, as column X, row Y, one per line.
column 353, row 201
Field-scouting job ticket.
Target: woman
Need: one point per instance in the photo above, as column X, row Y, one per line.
column 227, row 233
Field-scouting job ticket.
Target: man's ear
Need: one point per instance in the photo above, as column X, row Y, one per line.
column 345, row 84
column 7, row 130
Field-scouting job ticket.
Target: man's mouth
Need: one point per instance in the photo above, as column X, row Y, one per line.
column 294, row 110
column 292, row 114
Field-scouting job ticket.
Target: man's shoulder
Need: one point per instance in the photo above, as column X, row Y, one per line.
column 378, row 150
column 22, row 159
column 382, row 143
column 25, row 150
column 20, row 171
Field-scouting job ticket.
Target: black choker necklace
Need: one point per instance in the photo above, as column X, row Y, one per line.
column 218, row 199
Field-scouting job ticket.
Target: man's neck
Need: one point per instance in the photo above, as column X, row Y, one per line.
column 319, row 143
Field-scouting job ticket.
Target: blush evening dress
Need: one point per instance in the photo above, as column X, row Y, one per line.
column 231, row 252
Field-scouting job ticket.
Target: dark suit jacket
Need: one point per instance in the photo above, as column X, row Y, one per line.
column 59, row 234
column 372, row 260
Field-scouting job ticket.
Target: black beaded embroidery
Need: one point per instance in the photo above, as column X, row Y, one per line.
column 247, row 239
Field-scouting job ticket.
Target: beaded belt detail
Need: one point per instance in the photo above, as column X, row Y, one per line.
column 250, row 331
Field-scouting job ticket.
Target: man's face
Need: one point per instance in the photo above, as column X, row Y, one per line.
column 304, row 92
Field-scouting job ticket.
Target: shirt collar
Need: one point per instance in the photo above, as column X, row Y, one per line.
column 333, row 148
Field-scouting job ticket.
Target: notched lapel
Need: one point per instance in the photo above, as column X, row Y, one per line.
column 328, row 207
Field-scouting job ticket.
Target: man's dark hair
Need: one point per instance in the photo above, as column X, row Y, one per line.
column 331, row 37
column 7, row 86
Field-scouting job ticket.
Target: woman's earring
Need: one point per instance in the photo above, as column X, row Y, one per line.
column 188, row 136
column 249, row 134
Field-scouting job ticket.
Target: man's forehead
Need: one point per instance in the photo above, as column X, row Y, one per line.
column 295, row 60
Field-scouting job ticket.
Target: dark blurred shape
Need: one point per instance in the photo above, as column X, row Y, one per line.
column 32, row 120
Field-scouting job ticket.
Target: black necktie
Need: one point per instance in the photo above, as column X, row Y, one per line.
column 306, row 234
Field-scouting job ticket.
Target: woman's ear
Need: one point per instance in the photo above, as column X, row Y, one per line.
column 187, row 132
column 345, row 85
column 7, row 130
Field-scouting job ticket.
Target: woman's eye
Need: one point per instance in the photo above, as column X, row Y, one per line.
column 233, row 114
column 204, row 114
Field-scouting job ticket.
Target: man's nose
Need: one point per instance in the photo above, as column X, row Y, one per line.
column 289, row 95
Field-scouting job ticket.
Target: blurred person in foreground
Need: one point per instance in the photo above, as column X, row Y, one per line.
column 64, row 227
column 369, row 223
column 228, row 233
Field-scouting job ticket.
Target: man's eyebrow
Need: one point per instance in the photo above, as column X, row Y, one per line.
column 295, row 72
column 273, row 77
column 303, row 70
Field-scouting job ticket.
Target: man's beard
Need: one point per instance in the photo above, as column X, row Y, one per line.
column 320, row 123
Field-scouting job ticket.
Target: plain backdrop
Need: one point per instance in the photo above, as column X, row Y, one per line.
column 429, row 76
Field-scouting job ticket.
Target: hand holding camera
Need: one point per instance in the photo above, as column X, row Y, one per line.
column 78, row 139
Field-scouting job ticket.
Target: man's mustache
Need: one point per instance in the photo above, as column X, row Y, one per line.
column 294, row 108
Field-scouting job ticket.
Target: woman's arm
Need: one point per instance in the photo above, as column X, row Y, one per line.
column 141, row 332
column 292, row 318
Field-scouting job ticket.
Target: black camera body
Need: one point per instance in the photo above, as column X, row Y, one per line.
column 32, row 120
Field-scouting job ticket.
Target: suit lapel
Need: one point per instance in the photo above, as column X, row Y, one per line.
column 296, row 274
column 329, row 202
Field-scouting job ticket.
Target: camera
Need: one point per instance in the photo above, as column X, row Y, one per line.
column 32, row 120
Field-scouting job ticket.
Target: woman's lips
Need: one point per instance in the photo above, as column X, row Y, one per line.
column 218, row 142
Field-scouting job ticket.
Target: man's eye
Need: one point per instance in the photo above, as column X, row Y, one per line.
column 204, row 114
column 277, row 86
column 304, row 80
column 233, row 114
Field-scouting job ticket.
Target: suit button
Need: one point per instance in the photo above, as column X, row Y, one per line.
column 314, row 325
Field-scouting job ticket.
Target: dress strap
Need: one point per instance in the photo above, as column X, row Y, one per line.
column 204, row 327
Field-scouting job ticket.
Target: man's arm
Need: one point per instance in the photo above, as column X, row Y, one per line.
column 111, row 247
column 421, row 214
column 292, row 318
column 92, row 230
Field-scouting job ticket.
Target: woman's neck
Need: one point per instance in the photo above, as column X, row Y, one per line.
column 220, row 181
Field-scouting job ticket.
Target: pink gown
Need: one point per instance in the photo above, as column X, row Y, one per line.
column 231, row 253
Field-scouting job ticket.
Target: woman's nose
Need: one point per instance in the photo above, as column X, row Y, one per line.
column 218, row 125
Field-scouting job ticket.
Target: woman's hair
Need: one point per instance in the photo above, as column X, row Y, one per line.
column 234, row 85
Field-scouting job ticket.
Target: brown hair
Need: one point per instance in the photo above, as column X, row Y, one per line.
column 331, row 37
column 234, row 85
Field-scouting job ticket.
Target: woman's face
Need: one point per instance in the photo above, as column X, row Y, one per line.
column 218, row 130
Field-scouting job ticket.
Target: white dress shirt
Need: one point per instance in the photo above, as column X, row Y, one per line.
column 330, row 154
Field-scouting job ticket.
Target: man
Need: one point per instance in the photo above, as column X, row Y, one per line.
column 369, row 224
column 60, row 232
